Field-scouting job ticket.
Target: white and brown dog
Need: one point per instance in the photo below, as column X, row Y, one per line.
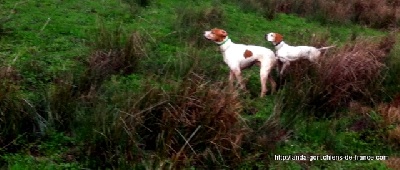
column 286, row 53
column 240, row 56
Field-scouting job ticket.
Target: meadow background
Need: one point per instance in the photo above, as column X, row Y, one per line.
column 132, row 84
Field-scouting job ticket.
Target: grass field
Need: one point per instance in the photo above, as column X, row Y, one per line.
column 132, row 84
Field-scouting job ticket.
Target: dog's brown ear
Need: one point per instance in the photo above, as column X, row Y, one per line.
column 278, row 37
column 224, row 33
column 220, row 34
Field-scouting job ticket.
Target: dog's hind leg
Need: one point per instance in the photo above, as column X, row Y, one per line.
column 273, row 84
column 263, row 81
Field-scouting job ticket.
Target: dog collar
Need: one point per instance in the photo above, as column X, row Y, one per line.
column 278, row 43
column 222, row 43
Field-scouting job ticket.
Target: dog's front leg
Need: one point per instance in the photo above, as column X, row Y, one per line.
column 231, row 79
column 238, row 75
column 285, row 64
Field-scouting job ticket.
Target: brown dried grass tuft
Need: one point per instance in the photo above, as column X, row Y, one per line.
column 393, row 163
column 214, row 111
column 124, row 60
column 196, row 123
column 354, row 72
column 10, row 74
column 391, row 116
column 112, row 57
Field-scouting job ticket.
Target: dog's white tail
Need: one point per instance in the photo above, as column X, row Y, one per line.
column 324, row 48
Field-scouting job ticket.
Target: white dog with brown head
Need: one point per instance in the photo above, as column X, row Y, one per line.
column 240, row 56
column 286, row 53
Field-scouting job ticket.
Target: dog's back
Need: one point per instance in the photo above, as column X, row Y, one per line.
column 241, row 52
column 292, row 53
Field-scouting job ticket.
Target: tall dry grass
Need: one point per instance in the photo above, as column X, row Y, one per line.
column 196, row 123
column 391, row 119
column 384, row 13
column 114, row 53
column 352, row 72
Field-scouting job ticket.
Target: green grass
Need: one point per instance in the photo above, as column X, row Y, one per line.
column 53, row 35
column 49, row 39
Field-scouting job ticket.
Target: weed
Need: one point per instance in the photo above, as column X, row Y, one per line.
column 61, row 99
column 113, row 55
column 15, row 112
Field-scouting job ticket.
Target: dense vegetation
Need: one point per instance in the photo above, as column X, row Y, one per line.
column 132, row 84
